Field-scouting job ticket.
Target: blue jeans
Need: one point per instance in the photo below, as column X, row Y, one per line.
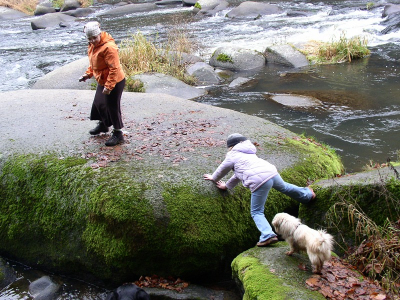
column 259, row 197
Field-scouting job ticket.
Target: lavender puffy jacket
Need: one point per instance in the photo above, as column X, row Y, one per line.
column 251, row 170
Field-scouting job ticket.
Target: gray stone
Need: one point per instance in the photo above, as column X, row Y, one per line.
column 70, row 5
column 7, row 274
column 43, row 289
column 161, row 83
column 66, row 77
column 204, row 73
column 180, row 58
column 235, row 58
column 129, row 9
column 51, row 20
column 240, row 81
column 80, row 12
column 189, row 2
column 286, row 55
column 390, row 9
column 44, row 7
column 11, row 14
column 168, row 2
column 392, row 23
column 211, row 7
column 253, row 10
column 295, row 100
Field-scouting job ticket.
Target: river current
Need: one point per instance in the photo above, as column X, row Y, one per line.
column 360, row 114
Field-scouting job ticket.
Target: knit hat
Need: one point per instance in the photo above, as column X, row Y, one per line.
column 92, row 29
column 234, row 139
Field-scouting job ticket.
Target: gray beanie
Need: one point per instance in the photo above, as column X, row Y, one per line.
column 234, row 139
column 92, row 29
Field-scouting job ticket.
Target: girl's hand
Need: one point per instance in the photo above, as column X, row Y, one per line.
column 106, row 91
column 207, row 177
column 221, row 185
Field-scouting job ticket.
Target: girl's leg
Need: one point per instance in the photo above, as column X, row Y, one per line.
column 301, row 194
column 258, row 199
column 114, row 105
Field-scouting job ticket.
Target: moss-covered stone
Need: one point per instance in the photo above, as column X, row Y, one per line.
column 268, row 274
column 147, row 210
column 371, row 194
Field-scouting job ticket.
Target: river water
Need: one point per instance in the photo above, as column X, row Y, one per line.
column 359, row 117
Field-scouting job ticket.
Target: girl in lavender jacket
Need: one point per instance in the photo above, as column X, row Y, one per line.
column 259, row 176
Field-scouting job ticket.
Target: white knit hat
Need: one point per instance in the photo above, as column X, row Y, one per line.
column 92, row 29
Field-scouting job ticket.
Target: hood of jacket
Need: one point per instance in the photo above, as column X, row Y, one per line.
column 245, row 147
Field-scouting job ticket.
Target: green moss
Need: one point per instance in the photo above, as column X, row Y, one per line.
column 197, row 5
column 222, row 57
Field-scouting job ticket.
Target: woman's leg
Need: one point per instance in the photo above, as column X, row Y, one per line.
column 301, row 194
column 258, row 199
column 114, row 105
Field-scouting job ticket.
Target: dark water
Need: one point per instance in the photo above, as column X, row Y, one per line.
column 361, row 100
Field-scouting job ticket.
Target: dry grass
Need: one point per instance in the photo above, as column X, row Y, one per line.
column 338, row 51
column 25, row 6
column 29, row 6
column 139, row 55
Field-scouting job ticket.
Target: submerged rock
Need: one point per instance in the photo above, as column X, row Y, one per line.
column 295, row 100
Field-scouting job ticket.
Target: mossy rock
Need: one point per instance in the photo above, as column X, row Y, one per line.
column 71, row 205
column 268, row 274
column 372, row 194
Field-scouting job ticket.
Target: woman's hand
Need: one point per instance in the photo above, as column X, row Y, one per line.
column 106, row 91
column 221, row 185
column 84, row 77
column 207, row 177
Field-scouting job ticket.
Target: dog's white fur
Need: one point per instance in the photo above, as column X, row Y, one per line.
column 317, row 243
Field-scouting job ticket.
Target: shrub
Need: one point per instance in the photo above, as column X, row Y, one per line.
column 224, row 58
column 337, row 51
column 25, row 6
column 138, row 55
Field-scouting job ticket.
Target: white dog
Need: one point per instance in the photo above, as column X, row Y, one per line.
column 317, row 243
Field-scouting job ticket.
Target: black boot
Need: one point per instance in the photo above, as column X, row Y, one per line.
column 99, row 129
column 116, row 138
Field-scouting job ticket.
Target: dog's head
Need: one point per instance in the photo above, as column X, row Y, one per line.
column 285, row 224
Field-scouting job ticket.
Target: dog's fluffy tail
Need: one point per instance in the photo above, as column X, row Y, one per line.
column 323, row 245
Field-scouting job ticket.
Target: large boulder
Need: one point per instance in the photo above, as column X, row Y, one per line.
column 7, row 274
column 391, row 23
column 129, row 9
column 204, row 73
column 253, row 10
column 390, row 9
column 44, row 7
column 71, row 205
column 70, row 5
column 10, row 14
column 66, row 77
column 285, row 55
column 51, row 20
column 161, row 83
column 80, row 12
column 44, row 288
column 210, row 7
column 235, row 58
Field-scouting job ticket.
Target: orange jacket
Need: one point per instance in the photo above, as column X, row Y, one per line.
column 104, row 62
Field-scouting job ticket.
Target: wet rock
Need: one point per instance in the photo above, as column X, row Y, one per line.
column 10, row 14
column 285, row 55
column 161, row 83
column 7, row 274
column 211, row 7
column 51, row 20
column 240, row 81
column 294, row 100
column 168, row 2
column 253, row 10
column 189, row 2
column 43, row 289
column 390, row 9
column 129, row 9
column 80, row 12
column 392, row 23
column 66, row 77
column 204, row 73
column 70, row 5
column 235, row 58
column 44, row 7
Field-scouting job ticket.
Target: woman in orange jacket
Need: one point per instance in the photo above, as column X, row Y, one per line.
column 104, row 65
